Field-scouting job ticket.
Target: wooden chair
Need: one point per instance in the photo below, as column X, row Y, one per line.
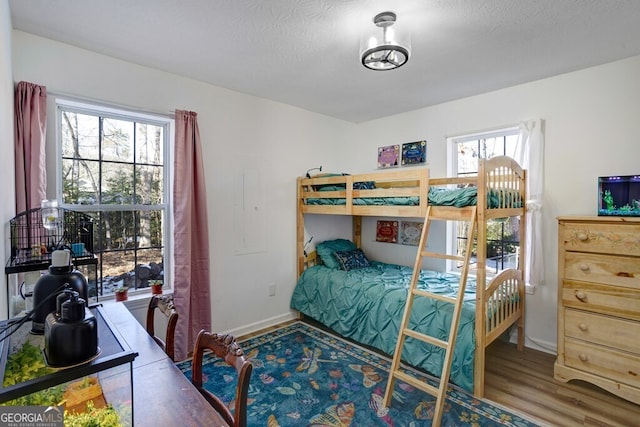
column 227, row 348
column 164, row 303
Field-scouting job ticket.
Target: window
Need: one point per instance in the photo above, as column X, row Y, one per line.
column 503, row 239
column 113, row 165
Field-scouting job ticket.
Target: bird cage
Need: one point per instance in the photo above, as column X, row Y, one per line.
column 36, row 233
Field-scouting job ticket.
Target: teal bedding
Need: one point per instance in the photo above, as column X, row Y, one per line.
column 369, row 201
column 367, row 305
column 458, row 197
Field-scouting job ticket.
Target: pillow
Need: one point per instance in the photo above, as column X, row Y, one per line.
column 329, row 187
column 364, row 185
column 351, row 260
column 326, row 249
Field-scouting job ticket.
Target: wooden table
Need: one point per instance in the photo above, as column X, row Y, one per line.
column 162, row 395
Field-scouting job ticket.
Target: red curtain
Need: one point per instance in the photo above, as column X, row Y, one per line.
column 191, row 236
column 31, row 126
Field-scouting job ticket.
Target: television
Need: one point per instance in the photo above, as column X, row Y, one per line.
column 619, row 195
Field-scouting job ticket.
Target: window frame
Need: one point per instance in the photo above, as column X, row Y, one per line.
column 452, row 170
column 167, row 122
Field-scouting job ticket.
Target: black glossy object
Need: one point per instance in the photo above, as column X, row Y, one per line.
column 48, row 287
column 70, row 335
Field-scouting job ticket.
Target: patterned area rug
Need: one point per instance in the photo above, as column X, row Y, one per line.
column 304, row 376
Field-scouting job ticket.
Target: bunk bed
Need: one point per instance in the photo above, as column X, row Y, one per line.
column 366, row 303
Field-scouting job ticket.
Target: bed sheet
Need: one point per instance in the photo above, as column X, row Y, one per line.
column 367, row 305
column 458, row 197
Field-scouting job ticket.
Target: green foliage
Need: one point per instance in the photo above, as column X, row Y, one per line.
column 116, row 167
column 502, row 238
column 608, row 200
column 24, row 365
column 103, row 417
column 27, row 364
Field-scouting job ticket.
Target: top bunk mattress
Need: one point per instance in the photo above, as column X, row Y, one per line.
column 437, row 196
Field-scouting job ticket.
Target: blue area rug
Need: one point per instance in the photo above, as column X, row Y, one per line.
column 304, row 376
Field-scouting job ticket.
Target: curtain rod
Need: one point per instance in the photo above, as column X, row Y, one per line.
column 108, row 104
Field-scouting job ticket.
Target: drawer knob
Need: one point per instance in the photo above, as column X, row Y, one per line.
column 582, row 236
column 581, row 295
column 584, row 267
column 583, row 357
column 583, row 327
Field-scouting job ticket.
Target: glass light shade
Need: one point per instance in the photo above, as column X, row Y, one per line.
column 385, row 46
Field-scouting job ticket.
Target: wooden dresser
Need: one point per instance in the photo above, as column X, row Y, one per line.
column 599, row 303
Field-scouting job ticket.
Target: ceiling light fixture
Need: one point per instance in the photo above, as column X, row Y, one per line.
column 385, row 49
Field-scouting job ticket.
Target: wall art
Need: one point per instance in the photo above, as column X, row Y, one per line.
column 387, row 231
column 414, row 153
column 410, row 232
column 388, row 156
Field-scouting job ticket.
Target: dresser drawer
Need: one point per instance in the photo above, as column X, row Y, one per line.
column 606, row 238
column 605, row 330
column 603, row 361
column 615, row 300
column 606, row 269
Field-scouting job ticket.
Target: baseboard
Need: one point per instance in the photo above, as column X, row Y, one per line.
column 541, row 345
column 254, row 327
column 536, row 344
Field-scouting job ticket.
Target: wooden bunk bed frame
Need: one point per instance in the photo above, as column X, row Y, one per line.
column 499, row 174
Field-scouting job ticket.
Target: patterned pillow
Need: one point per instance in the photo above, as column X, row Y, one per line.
column 328, row 247
column 364, row 185
column 351, row 260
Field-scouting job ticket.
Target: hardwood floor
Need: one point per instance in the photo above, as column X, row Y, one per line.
column 523, row 382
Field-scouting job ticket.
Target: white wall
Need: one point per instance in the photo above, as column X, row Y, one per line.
column 7, row 189
column 277, row 142
column 591, row 118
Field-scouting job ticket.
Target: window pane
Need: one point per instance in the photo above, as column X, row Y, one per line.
column 79, row 135
column 117, row 143
column 116, row 230
column 79, row 181
column 117, row 165
column 492, row 147
column 149, row 267
column 149, row 141
column 467, row 157
column 511, row 144
column 150, row 229
column 117, row 184
column 118, row 269
column 149, row 188
column 502, row 235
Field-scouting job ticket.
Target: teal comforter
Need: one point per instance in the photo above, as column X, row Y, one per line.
column 367, row 305
column 458, row 197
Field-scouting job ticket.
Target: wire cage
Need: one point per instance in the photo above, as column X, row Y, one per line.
column 36, row 233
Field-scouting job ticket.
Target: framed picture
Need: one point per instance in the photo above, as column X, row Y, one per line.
column 388, row 156
column 414, row 153
column 387, row 231
column 410, row 232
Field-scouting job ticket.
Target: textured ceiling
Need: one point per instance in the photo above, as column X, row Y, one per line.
column 305, row 52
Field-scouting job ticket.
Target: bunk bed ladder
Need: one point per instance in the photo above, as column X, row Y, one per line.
column 467, row 214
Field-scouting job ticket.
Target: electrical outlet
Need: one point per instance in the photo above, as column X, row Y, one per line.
column 272, row 289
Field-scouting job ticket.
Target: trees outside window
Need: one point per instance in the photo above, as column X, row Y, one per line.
column 503, row 239
column 113, row 166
